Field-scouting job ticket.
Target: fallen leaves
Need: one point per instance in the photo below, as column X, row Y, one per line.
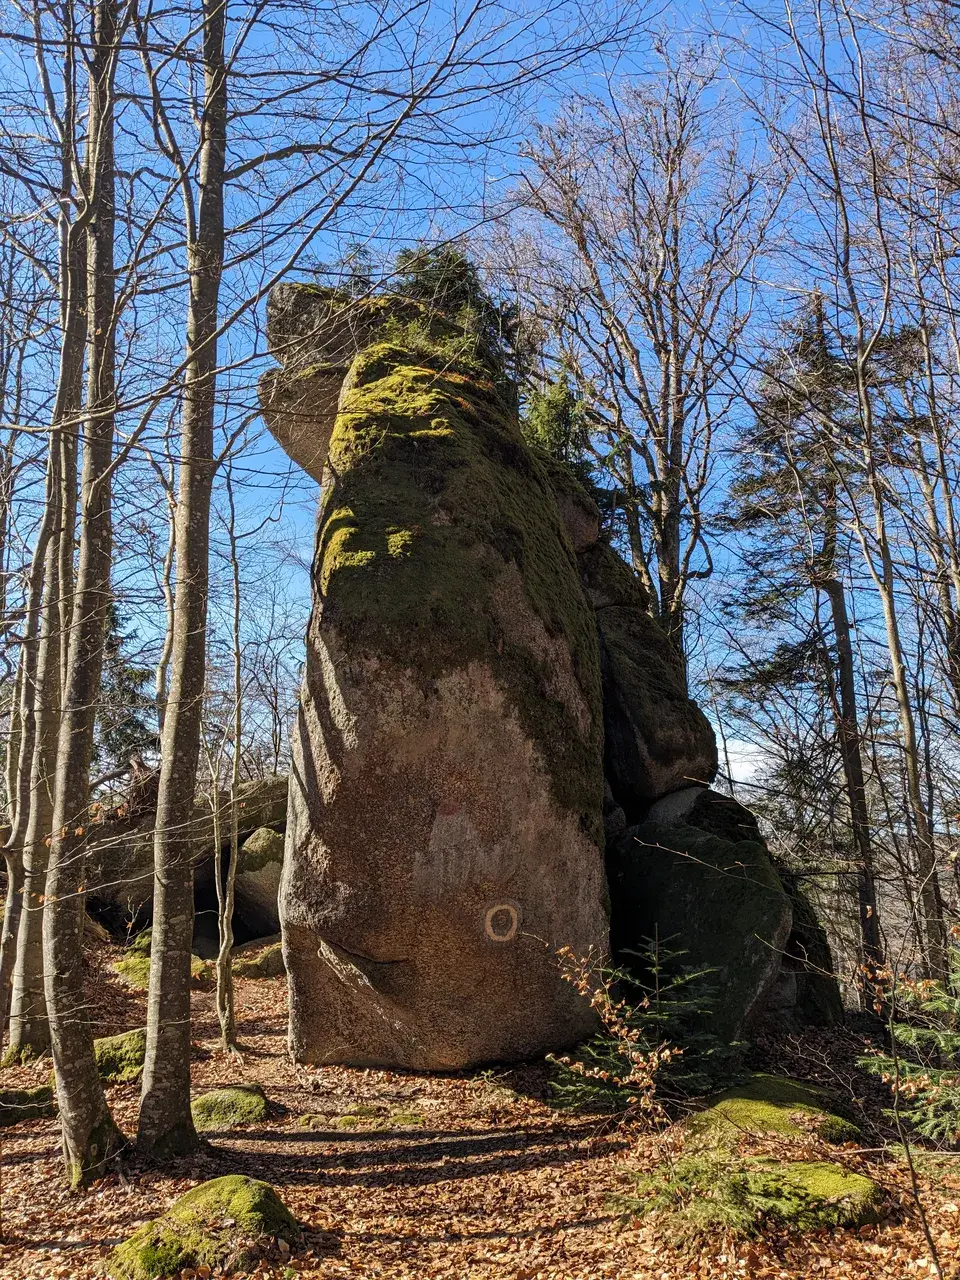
column 491, row 1184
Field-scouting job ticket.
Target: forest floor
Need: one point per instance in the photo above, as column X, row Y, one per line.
column 451, row 1177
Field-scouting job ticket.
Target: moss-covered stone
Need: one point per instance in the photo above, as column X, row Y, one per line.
column 766, row 1104
column 120, row 1058
column 260, row 848
column 134, row 965
column 228, row 1107
column 260, row 959
column 811, row 1195
column 448, row 757
column 718, row 901
column 435, row 492
column 26, row 1104
column 229, row 1218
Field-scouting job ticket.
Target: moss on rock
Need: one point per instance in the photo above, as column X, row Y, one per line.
column 766, row 1104
column 260, row 848
column 134, row 965
column 436, row 496
column 225, row 1108
column 26, row 1104
column 260, row 959
column 120, row 1058
column 224, row 1220
column 715, row 1192
column 811, row 1195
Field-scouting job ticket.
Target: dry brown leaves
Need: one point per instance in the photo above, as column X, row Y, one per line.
column 491, row 1184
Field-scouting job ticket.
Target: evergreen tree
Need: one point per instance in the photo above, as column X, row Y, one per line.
column 126, row 720
column 788, row 498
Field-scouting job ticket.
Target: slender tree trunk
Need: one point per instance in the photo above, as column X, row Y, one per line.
column 166, row 1124
column 29, row 1029
column 13, row 857
column 226, row 889
column 848, row 727
column 90, row 1138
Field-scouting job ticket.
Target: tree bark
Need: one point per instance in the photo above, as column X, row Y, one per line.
column 166, row 1124
column 90, row 1138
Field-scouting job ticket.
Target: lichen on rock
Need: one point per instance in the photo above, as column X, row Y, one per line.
column 228, row 1221
column 230, row 1106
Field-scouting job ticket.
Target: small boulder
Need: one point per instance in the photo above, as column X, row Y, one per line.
column 230, row 1222
column 228, row 1107
column 258, row 880
column 721, row 1183
column 765, row 1104
column 26, row 1104
column 133, row 967
column 262, row 958
column 120, row 1058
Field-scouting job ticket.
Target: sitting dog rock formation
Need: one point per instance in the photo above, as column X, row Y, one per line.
column 487, row 708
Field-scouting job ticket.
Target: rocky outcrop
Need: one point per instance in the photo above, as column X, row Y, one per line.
column 120, row 856
column 486, row 704
column 447, row 780
column 704, row 885
column 657, row 740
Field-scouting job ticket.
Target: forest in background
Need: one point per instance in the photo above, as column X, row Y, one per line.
column 723, row 264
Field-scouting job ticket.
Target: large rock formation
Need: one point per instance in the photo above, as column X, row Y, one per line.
column 486, row 704
column 120, row 852
column 699, row 879
column 444, row 825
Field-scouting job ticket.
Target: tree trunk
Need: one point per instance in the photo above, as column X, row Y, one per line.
column 848, row 728
column 29, row 1029
column 90, row 1139
column 166, row 1124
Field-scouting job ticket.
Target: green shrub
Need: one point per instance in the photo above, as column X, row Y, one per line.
column 923, row 1065
column 655, row 1047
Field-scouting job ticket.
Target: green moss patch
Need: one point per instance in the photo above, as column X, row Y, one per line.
column 233, row 1219
column 120, row 1058
column 225, row 1108
column 265, row 962
column 706, row 1193
column 436, row 501
column 26, row 1104
column 134, row 966
column 766, row 1104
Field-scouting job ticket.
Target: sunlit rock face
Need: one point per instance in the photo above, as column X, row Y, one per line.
column 445, row 820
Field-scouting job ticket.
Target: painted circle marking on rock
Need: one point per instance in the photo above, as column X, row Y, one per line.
column 501, row 921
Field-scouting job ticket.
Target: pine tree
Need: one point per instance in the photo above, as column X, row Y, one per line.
column 788, row 498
